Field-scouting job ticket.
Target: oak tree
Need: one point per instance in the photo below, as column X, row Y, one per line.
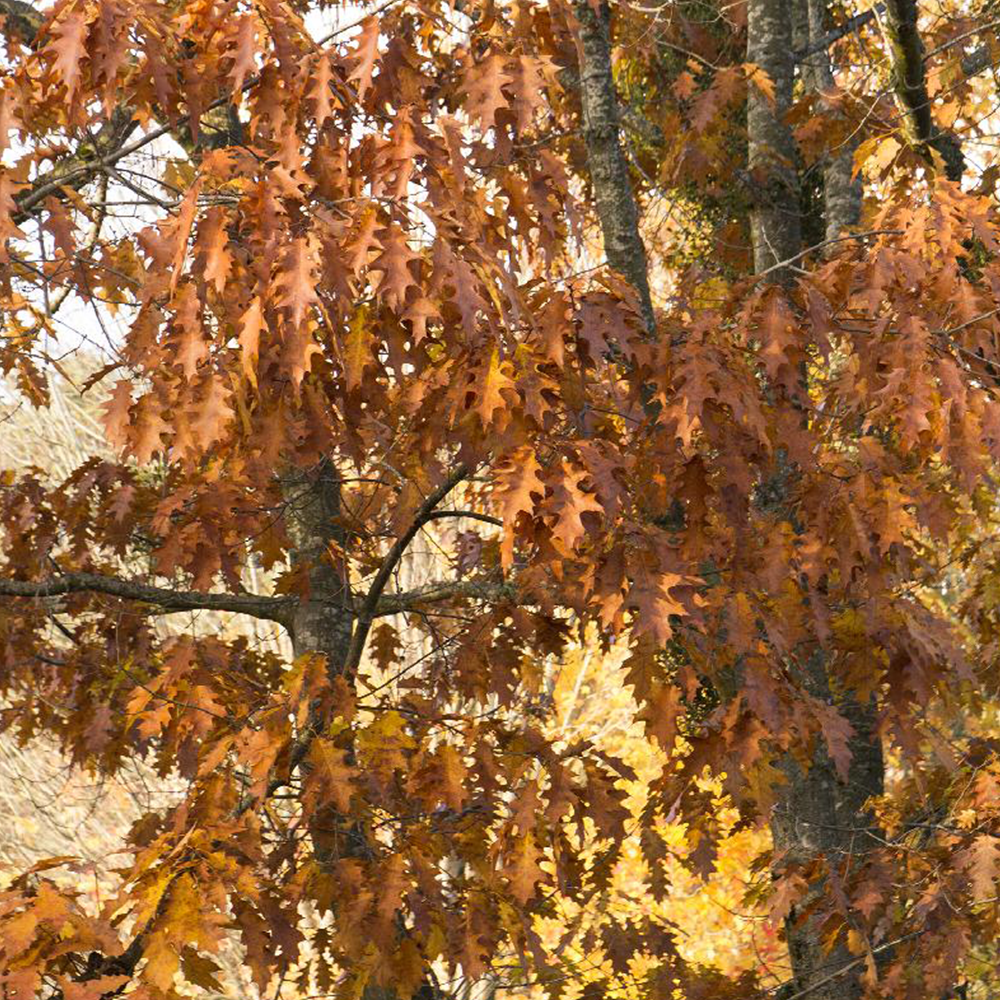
column 404, row 273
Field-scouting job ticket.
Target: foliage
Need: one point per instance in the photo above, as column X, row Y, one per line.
column 363, row 307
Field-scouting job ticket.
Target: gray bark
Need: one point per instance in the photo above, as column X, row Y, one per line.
column 973, row 63
column 774, row 220
column 326, row 621
column 606, row 163
column 818, row 817
column 323, row 620
column 822, row 42
column 323, row 623
column 841, row 194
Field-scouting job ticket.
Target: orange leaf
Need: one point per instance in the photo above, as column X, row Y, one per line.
column 490, row 390
column 522, row 870
column 364, row 56
column 982, row 861
column 250, row 327
column 295, row 287
column 70, row 48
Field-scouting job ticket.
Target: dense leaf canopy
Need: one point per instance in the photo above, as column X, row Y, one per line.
column 350, row 275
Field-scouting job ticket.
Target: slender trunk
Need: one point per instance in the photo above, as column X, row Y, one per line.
column 606, row 161
column 909, row 84
column 324, row 620
column 841, row 193
column 818, row 817
column 771, row 158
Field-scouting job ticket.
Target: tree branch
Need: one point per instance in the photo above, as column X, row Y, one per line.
column 274, row 609
column 481, row 589
column 972, row 64
column 86, row 167
column 834, row 35
column 470, row 514
column 78, row 169
column 369, row 608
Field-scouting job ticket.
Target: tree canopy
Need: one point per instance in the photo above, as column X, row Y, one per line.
column 674, row 328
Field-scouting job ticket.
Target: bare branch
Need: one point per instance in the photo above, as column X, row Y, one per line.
column 445, row 590
column 972, row 64
column 369, row 607
column 274, row 609
column 834, row 35
column 470, row 514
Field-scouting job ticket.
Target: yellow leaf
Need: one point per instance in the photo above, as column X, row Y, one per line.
column 162, row 961
column 357, row 349
column 760, row 79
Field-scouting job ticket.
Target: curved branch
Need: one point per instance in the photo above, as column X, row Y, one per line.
column 274, row 609
column 852, row 24
column 470, row 514
column 369, row 608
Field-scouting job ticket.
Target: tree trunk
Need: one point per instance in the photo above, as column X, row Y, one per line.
column 820, row 817
column 322, row 622
column 909, row 83
column 326, row 622
column 771, row 158
column 606, row 164
column 841, row 193
column 817, row 816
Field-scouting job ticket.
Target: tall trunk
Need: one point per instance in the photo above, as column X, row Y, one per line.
column 909, row 83
column 817, row 816
column 323, row 623
column 606, row 161
column 774, row 219
column 324, row 619
column 327, row 622
column 841, row 193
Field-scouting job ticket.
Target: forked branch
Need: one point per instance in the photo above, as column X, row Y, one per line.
column 369, row 608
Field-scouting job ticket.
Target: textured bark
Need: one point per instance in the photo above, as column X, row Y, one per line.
column 322, row 621
column 327, row 622
column 774, row 220
column 823, row 41
column 909, row 84
column 841, row 193
column 606, row 163
column 972, row 64
column 818, row 818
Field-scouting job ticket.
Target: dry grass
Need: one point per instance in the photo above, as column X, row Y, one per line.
column 49, row 808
